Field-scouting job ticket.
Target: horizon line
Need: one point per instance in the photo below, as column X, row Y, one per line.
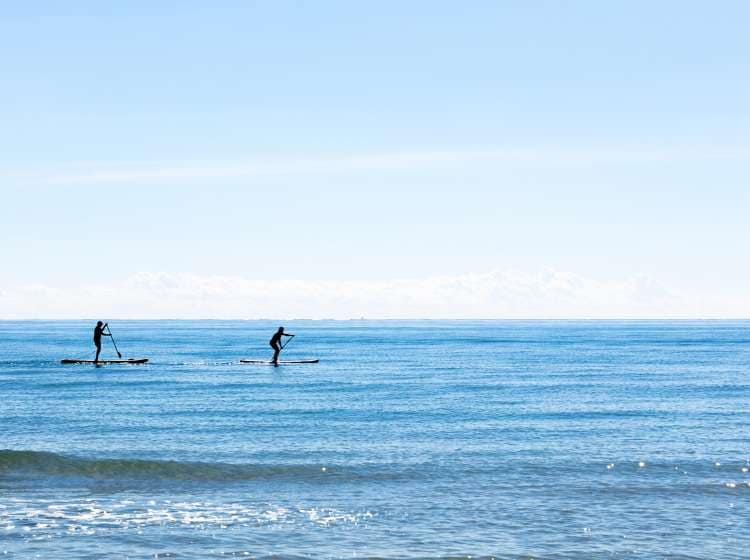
column 398, row 319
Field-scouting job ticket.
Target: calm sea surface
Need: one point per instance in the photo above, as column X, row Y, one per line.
column 407, row 440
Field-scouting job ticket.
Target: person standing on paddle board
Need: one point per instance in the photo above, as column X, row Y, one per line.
column 98, row 334
column 275, row 343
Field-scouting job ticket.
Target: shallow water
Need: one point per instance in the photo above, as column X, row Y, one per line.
column 407, row 440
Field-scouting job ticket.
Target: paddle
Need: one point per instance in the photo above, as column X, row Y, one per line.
column 291, row 336
column 113, row 341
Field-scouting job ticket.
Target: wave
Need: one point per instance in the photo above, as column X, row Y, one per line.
column 42, row 463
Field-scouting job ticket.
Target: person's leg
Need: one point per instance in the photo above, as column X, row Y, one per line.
column 276, row 350
column 98, row 350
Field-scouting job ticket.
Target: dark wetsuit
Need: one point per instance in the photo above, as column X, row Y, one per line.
column 275, row 340
column 275, row 343
column 98, row 337
column 98, row 333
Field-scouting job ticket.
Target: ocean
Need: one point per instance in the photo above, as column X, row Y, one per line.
column 410, row 439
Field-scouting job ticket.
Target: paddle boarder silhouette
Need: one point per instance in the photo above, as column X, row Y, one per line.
column 275, row 343
column 98, row 334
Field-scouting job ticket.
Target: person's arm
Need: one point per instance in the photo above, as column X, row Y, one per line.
column 290, row 335
column 104, row 327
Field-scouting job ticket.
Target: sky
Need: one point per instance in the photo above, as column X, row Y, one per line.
column 299, row 159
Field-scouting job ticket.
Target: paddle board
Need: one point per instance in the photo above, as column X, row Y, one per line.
column 281, row 363
column 128, row 361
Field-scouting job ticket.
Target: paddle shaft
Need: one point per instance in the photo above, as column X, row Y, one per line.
column 287, row 342
column 113, row 342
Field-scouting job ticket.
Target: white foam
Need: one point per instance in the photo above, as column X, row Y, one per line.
column 88, row 517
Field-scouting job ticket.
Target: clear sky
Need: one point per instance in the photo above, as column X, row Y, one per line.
column 400, row 159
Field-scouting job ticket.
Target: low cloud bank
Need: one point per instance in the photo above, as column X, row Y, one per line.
column 490, row 295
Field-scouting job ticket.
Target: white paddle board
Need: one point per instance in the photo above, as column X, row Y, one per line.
column 128, row 361
column 280, row 362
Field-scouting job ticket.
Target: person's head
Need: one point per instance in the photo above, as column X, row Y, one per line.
column 99, row 323
column 281, row 329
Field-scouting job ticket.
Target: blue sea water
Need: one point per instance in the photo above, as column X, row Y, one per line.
column 430, row 439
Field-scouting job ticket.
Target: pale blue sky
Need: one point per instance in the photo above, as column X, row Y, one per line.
column 371, row 141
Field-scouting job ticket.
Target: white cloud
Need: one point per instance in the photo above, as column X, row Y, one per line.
column 167, row 172
column 495, row 294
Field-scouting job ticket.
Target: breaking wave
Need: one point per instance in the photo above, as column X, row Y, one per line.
column 41, row 463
